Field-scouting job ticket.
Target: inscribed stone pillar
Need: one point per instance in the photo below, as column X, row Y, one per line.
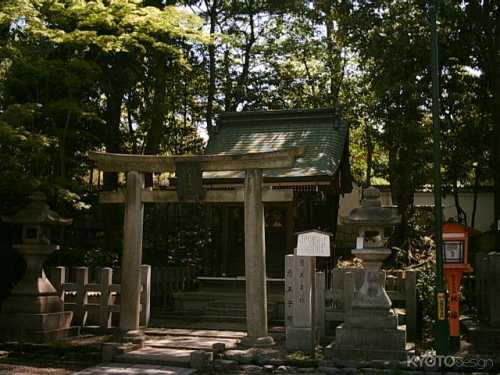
column 131, row 259
column 299, row 310
column 255, row 262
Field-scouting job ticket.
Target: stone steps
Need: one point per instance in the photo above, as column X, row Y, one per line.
column 234, row 311
column 228, row 304
column 155, row 332
column 191, row 342
column 173, row 347
column 209, row 318
column 198, row 325
column 157, row 357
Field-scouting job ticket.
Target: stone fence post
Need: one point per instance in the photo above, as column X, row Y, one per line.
column 320, row 305
column 81, row 280
column 105, row 300
column 145, row 295
column 410, row 286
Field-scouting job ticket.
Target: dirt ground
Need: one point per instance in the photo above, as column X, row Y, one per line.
column 61, row 358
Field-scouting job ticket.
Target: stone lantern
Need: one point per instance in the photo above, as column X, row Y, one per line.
column 34, row 310
column 371, row 330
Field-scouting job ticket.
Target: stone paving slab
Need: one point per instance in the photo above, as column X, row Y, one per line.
column 157, row 356
column 194, row 332
column 191, row 342
column 128, row 369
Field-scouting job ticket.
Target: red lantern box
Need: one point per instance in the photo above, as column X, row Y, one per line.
column 456, row 262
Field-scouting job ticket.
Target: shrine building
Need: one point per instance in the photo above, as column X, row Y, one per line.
column 318, row 179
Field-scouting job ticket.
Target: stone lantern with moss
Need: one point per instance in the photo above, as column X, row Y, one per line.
column 371, row 330
column 34, row 311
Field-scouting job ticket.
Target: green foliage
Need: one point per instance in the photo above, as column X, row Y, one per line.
column 24, row 159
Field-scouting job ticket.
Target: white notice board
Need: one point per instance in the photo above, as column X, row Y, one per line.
column 313, row 244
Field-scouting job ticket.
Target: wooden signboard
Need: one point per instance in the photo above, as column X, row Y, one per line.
column 313, row 243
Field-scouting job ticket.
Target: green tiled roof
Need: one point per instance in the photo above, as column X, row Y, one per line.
column 321, row 132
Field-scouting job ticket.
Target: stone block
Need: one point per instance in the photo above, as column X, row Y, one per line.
column 108, row 352
column 285, row 370
column 257, row 342
column 367, row 344
column 200, row 359
column 300, row 339
column 252, row 369
column 225, row 365
column 111, row 350
column 219, row 347
column 367, row 338
column 372, row 319
column 247, row 356
column 486, row 339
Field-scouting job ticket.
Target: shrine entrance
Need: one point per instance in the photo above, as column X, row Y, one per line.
column 189, row 171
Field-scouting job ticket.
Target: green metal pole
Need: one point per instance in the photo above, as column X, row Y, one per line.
column 441, row 328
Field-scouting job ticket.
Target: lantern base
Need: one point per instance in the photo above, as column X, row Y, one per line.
column 36, row 327
column 355, row 343
column 369, row 334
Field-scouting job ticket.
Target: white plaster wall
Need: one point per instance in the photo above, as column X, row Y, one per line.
column 484, row 211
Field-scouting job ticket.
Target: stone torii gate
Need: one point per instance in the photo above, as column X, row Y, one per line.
column 253, row 195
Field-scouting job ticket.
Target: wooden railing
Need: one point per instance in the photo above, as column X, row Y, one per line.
column 94, row 303
column 400, row 286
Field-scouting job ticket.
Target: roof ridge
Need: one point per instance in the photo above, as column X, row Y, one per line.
column 278, row 115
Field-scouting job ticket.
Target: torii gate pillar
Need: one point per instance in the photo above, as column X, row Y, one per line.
column 255, row 262
column 132, row 259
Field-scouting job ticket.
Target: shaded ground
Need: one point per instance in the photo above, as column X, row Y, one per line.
column 55, row 359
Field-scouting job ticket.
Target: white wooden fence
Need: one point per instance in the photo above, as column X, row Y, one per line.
column 96, row 302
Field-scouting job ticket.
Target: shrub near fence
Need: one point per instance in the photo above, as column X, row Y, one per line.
column 95, row 303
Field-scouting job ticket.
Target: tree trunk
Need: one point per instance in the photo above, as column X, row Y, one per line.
column 158, row 111
column 496, row 158
column 110, row 215
column 131, row 132
column 239, row 93
column 211, row 69
column 496, row 126
column 228, row 84
column 62, row 147
column 402, row 192
column 369, row 154
column 461, row 215
column 474, row 204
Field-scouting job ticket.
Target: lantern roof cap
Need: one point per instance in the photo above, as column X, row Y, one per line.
column 371, row 211
column 37, row 212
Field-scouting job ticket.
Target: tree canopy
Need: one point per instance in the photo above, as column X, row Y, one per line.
column 148, row 76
